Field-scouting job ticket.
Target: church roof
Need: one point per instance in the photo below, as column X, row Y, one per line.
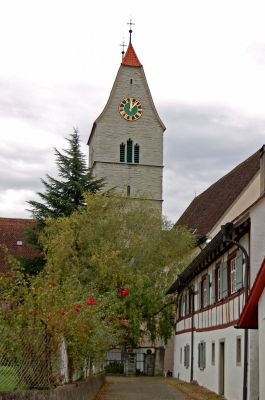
column 208, row 208
column 12, row 236
column 131, row 58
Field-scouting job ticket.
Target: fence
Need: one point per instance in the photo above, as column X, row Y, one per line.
column 31, row 359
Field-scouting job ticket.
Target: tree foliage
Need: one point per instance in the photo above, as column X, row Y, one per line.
column 124, row 247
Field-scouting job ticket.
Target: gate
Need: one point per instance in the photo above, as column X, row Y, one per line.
column 115, row 360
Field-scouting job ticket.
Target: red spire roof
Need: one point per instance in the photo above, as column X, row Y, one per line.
column 131, row 58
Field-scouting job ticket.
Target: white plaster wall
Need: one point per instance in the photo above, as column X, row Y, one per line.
column 253, row 365
column 257, row 247
column 209, row 377
column 262, row 346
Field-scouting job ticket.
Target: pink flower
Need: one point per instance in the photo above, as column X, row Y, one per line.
column 91, row 301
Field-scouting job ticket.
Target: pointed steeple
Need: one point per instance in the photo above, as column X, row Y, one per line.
column 131, row 58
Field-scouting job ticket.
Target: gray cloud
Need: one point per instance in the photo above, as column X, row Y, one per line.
column 201, row 144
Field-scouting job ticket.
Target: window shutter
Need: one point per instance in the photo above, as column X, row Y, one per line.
column 136, row 153
column 122, row 152
column 208, row 290
column 129, row 150
column 199, row 355
column 184, row 304
column 187, row 302
column 204, row 354
column 213, row 286
column 239, row 269
column 188, row 356
column 225, row 280
column 184, row 356
column 200, row 294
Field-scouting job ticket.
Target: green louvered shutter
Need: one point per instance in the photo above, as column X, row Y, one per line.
column 136, row 153
column 188, row 356
column 213, row 287
column 239, row 270
column 187, row 302
column 204, row 355
column 208, row 290
column 224, row 278
column 122, row 152
column 129, row 150
column 200, row 294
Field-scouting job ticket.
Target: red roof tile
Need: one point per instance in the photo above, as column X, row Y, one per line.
column 131, row 58
column 206, row 209
column 12, row 235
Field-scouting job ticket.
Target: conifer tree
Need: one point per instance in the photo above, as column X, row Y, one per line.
column 62, row 196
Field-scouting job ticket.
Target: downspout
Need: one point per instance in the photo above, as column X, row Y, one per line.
column 192, row 334
column 225, row 230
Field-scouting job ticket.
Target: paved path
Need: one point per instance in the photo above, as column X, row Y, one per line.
column 142, row 388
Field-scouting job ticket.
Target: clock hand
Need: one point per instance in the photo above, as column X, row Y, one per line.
column 131, row 106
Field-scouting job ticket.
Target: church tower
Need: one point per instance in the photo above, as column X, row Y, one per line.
column 126, row 140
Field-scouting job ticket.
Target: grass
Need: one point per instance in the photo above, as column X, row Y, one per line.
column 8, row 379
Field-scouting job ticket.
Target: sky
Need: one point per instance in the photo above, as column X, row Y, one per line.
column 205, row 65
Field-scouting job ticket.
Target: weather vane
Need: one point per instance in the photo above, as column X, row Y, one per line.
column 123, row 45
column 130, row 23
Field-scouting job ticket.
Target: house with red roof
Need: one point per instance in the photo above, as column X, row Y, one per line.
column 12, row 237
column 213, row 289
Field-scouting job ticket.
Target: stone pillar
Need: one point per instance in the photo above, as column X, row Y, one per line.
column 159, row 361
column 130, row 364
column 149, row 363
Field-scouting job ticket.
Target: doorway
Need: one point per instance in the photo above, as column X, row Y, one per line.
column 222, row 368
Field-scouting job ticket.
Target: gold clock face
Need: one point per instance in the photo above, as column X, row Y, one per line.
column 130, row 109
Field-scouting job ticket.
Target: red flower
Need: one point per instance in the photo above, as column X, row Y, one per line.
column 108, row 323
column 63, row 312
column 91, row 301
column 113, row 319
column 126, row 324
column 120, row 290
column 123, row 317
column 125, row 292
column 77, row 307
column 52, row 283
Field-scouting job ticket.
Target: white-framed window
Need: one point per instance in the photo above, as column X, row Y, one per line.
column 202, row 355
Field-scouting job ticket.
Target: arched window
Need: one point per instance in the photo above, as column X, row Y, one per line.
column 129, row 150
column 136, row 153
column 122, row 152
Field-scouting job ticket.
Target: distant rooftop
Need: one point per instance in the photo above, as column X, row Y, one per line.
column 12, row 236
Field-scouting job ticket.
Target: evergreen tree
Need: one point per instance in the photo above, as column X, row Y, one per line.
column 62, row 197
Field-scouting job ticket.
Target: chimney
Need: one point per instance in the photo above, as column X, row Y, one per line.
column 262, row 170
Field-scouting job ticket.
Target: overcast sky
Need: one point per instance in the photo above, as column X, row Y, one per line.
column 205, row 65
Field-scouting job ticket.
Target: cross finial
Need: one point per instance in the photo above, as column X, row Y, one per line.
column 123, row 45
column 130, row 23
